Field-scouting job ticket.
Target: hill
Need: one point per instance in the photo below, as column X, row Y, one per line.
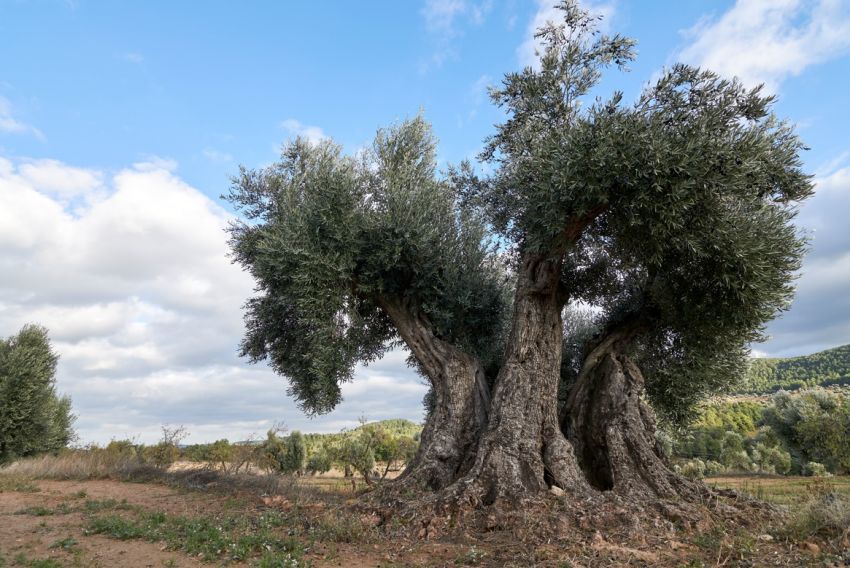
column 826, row 368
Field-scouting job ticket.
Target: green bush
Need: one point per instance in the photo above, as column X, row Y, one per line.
column 815, row 469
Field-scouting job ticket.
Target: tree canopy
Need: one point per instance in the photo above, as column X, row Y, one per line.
column 330, row 239
column 33, row 417
column 671, row 217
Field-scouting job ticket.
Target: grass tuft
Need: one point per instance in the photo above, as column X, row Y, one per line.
column 224, row 539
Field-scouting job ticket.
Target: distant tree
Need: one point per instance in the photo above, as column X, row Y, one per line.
column 220, row 454
column 284, row 454
column 320, row 461
column 167, row 450
column 296, row 454
column 814, row 426
column 33, row 417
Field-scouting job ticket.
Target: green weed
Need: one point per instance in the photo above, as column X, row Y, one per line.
column 36, row 511
column 229, row 539
column 66, row 543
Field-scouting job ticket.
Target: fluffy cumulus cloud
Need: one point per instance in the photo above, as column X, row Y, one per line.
column 767, row 42
column 818, row 318
column 129, row 273
column 547, row 12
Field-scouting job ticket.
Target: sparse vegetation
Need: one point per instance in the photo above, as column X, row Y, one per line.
column 219, row 539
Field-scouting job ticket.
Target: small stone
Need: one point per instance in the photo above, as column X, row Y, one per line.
column 556, row 491
column 765, row 537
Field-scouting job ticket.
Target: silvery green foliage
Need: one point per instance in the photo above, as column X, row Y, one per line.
column 684, row 201
column 329, row 237
column 690, row 193
column 33, row 418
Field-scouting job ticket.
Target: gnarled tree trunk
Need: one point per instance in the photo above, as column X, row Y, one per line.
column 613, row 430
column 461, row 401
column 522, row 450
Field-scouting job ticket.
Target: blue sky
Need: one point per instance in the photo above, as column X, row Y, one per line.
column 121, row 122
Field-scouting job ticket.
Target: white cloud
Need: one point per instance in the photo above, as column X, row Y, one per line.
column 820, row 315
column 145, row 308
column 547, row 12
column 11, row 125
column 440, row 15
column 313, row 134
column 54, row 177
column 217, row 156
column 768, row 41
column 443, row 21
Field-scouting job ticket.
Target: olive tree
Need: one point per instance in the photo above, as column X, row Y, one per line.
column 671, row 217
column 355, row 254
column 33, row 417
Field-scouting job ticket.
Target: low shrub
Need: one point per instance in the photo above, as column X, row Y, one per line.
column 826, row 514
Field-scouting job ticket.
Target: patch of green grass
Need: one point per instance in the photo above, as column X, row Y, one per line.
column 81, row 494
column 89, row 506
column 271, row 560
column 22, row 560
column 97, row 505
column 35, row 511
column 228, row 539
column 13, row 482
column 67, row 543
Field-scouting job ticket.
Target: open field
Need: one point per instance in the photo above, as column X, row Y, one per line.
column 781, row 490
column 218, row 520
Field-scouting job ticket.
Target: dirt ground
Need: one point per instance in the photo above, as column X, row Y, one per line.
column 31, row 536
column 47, row 523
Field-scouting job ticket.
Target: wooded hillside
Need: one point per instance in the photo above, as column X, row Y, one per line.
column 830, row 367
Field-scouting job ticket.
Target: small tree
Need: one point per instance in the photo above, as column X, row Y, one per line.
column 220, row 454
column 285, row 455
column 165, row 452
column 295, row 457
column 320, row 461
column 33, row 418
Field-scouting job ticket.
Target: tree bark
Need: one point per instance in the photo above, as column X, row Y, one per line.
column 523, row 450
column 613, row 430
column 461, row 401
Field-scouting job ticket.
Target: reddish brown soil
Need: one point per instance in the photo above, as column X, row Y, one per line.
column 442, row 542
column 32, row 535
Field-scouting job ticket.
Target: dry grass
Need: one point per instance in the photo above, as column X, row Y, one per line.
column 103, row 463
column 781, row 490
column 94, row 463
